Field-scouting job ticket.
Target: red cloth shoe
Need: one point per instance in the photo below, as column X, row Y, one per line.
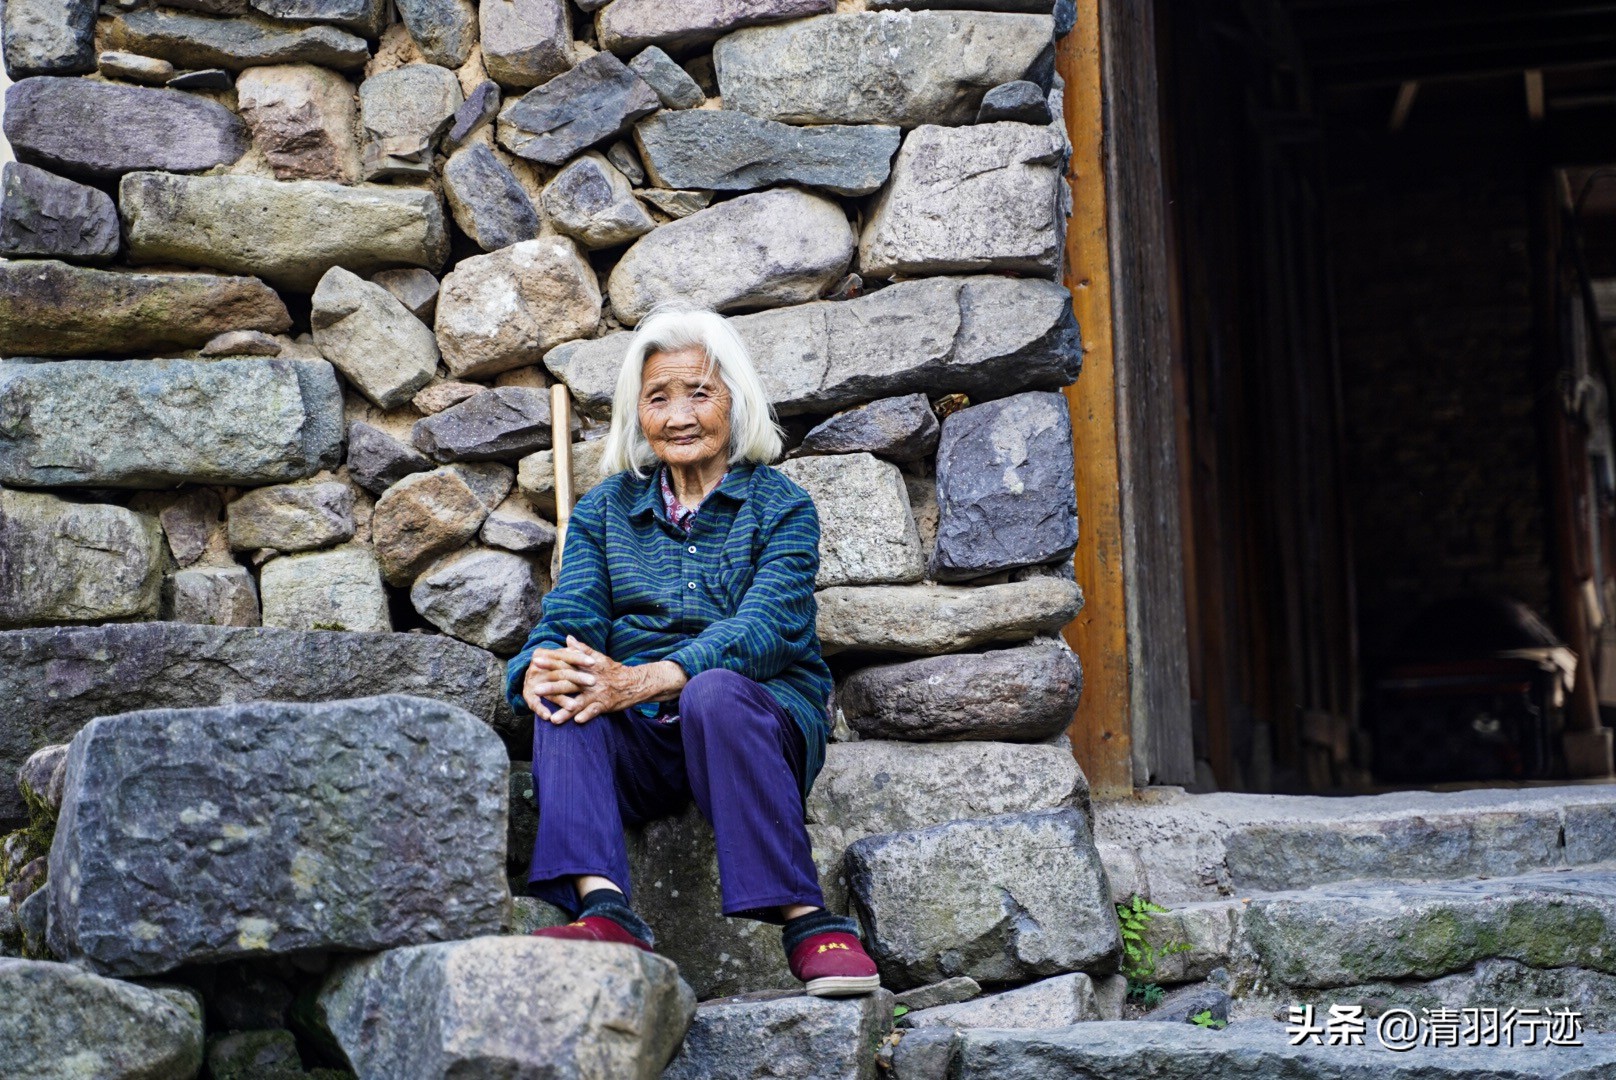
column 834, row 965
column 592, row 928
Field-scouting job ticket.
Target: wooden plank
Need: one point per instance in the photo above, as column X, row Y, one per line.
column 1100, row 732
column 1153, row 563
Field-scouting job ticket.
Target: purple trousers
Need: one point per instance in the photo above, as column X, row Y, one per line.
column 732, row 748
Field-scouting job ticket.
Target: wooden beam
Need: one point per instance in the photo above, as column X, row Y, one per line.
column 1100, row 732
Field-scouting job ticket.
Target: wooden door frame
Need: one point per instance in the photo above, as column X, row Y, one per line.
column 1132, row 726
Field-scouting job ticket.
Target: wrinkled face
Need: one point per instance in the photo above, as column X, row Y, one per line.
column 684, row 407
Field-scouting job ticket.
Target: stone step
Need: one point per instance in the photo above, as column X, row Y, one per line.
column 1241, row 1051
column 1175, row 848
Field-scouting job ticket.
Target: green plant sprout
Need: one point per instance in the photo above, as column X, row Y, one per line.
column 1140, row 956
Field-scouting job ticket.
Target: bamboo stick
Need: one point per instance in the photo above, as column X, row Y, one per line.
column 561, row 442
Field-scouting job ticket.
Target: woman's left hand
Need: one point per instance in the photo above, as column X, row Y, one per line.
column 599, row 684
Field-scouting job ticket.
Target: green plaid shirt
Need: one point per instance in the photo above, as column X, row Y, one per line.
column 735, row 592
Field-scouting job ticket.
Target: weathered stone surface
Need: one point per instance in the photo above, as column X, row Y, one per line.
column 340, row 589
column 780, row 1034
column 292, row 517
column 922, row 68
column 930, row 619
column 592, row 202
column 1057, row 1002
column 49, row 37
column 508, row 1006
column 500, row 424
column 190, row 522
column 439, row 396
column 536, row 474
column 1006, row 496
column 980, row 335
column 1023, row 7
column 948, row 992
column 731, row 151
column 302, row 118
column 1015, row 695
column 366, row 18
column 591, row 103
column 782, row 246
column 1000, row 899
column 525, row 42
column 1181, row 1004
column 42, row 775
column 677, row 204
column 68, row 562
column 628, row 25
column 255, row 1055
column 371, row 337
column 205, row 79
column 216, row 596
column 134, row 423
column 1423, row 931
column 479, row 108
column 421, row 517
column 45, row 216
column 489, row 481
column 488, row 598
column 488, row 203
column 415, row 288
column 867, row 535
column 627, row 162
column 444, row 30
column 241, row 343
column 50, row 308
column 101, row 129
column 195, row 41
column 513, row 526
column 251, row 830
column 1021, row 101
column 673, row 85
column 971, row 199
column 377, row 461
column 503, row 310
column 870, row 786
column 405, row 113
column 63, row 677
column 289, row 233
column 899, row 428
column 141, row 69
column 60, row 1022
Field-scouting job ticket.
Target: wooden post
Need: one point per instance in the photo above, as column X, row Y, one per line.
column 1101, row 732
column 561, row 454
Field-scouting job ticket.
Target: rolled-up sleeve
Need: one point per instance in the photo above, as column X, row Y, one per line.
column 580, row 603
column 774, row 623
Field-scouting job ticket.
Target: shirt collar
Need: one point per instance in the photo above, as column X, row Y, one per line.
column 737, row 485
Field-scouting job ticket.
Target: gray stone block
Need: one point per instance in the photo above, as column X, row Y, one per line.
column 372, row 338
column 444, row 30
column 782, row 1034
column 377, row 461
column 929, row 619
column 405, row 113
column 721, row 150
column 250, row 830
column 899, row 428
column 867, row 534
column 592, row 202
column 525, row 42
column 196, row 41
column 71, row 562
column 292, row 517
column 339, row 589
column 216, row 596
column 948, row 992
column 501, row 424
column 1021, row 101
column 682, row 24
column 487, row 202
column 1048, row 1003
column 673, row 85
column 580, row 108
column 49, row 37
column 491, row 599
column 503, row 310
column 45, row 216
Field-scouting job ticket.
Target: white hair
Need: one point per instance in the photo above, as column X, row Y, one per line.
column 753, row 434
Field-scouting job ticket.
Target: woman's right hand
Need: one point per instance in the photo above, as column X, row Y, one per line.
column 555, row 674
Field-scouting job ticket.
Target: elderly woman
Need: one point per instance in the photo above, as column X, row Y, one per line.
column 677, row 657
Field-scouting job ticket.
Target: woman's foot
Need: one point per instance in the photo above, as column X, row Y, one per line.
column 603, row 915
column 593, row 928
column 834, row 964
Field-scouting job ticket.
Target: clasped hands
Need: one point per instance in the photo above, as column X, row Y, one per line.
column 585, row 683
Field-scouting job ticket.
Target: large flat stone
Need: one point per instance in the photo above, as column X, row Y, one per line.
column 1250, row 1048
column 61, row 1022
column 769, row 248
column 1002, row 899
column 930, row 619
column 45, row 216
column 627, row 26
column 782, row 1034
column 984, row 336
column 61, row 678
column 1026, row 693
column 102, row 129
column 970, row 200
column 370, row 336
column 49, row 37
column 51, row 308
column 525, row 42
column 136, row 424
column 202, row 835
column 1006, row 494
column 509, row 1007
column 195, row 41
column 289, row 233
column 867, row 534
column 722, row 150
column 504, row 309
column 580, row 108
column 878, row 67
column 1048, row 1003
column 70, row 562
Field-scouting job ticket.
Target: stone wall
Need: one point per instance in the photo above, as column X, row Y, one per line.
column 285, row 286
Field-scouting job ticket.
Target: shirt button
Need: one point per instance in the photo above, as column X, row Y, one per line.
column 691, row 549
column 690, row 585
